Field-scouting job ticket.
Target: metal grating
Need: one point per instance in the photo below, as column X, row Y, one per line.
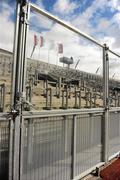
column 88, row 142
column 4, row 145
column 114, row 133
column 47, row 149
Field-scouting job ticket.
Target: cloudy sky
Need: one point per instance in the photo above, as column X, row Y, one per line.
column 98, row 18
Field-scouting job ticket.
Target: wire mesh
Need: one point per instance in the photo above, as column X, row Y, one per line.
column 88, row 142
column 4, row 145
column 47, row 149
column 114, row 133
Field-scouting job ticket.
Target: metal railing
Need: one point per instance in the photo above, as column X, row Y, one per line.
column 64, row 144
column 4, row 147
column 60, row 144
column 114, row 132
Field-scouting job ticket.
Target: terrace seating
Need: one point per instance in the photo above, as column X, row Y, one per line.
column 42, row 76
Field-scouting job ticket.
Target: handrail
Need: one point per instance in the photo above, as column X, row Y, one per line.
column 67, row 112
column 68, row 26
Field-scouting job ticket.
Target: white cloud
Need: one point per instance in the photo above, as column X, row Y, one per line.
column 114, row 4
column 6, row 28
column 39, row 22
column 106, row 30
column 64, row 7
column 82, row 21
column 103, row 24
column 40, row 4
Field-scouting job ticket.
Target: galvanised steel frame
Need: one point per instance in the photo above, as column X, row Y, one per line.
column 17, row 114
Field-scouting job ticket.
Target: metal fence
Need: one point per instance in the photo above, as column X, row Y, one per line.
column 60, row 146
column 47, row 148
column 4, row 147
column 56, row 144
column 114, row 133
column 65, row 145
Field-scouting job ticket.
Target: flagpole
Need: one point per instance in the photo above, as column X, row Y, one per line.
column 34, row 46
column 32, row 51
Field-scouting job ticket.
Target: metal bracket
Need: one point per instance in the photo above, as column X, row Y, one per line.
column 23, row 2
column 24, row 14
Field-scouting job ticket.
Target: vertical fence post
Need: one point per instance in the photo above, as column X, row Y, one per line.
column 65, row 134
column 73, row 172
column 59, row 93
column 105, row 104
column 10, row 149
column 16, row 148
column 30, row 142
column 18, row 81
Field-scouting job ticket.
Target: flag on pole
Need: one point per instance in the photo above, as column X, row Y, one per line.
column 60, row 48
column 41, row 41
column 35, row 40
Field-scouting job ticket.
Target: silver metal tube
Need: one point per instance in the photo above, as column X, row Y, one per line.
column 105, row 103
column 25, row 54
column 10, row 171
column 65, row 134
column 33, row 114
column 30, row 141
column 16, row 148
column 74, row 148
column 15, row 55
column 114, row 53
column 21, row 147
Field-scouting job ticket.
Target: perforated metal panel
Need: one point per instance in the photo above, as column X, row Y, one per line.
column 4, row 145
column 114, row 133
column 47, row 149
column 88, row 142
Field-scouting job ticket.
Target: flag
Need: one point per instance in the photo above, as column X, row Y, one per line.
column 60, row 48
column 41, row 41
column 35, row 40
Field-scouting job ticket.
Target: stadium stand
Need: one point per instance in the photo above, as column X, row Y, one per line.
column 52, row 87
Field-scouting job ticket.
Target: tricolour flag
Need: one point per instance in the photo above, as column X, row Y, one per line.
column 60, row 48
column 41, row 41
column 35, row 40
